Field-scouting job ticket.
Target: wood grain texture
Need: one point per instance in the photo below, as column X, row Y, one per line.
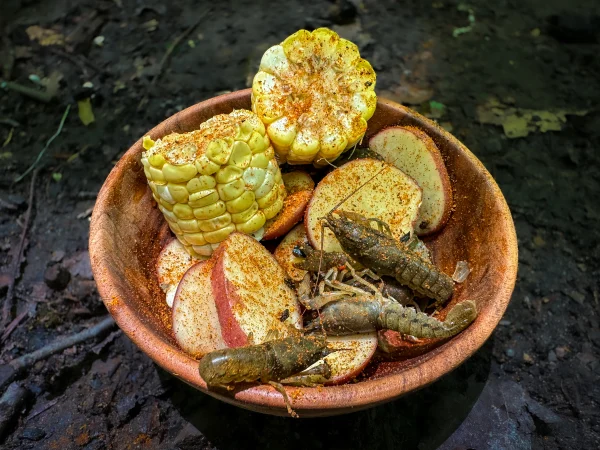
column 127, row 233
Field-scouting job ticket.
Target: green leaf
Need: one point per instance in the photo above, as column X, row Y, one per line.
column 56, row 176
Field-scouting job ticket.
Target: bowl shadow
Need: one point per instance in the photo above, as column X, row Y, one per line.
column 422, row 420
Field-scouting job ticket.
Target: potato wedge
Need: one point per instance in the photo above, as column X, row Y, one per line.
column 299, row 186
column 390, row 196
column 172, row 263
column 414, row 152
column 250, row 292
column 195, row 319
column 284, row 256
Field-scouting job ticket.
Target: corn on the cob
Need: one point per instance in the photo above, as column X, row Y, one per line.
column 212, row 181
column 315, row 94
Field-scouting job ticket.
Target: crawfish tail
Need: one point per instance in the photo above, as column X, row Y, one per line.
column 423, row 277
column 347, row 316
column 408, row 321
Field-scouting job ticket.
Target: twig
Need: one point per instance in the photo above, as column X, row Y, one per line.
column 7, row 205
column 29, row 92
column 9, row 122
column 80, row 61
column 13, row 325
column 10, row 405
column 10, row 371
column 16, row 263
column 48, row 142
column 175, row 43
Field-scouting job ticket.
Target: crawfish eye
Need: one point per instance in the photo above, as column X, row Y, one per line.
column 405, row 238
column 297, row 251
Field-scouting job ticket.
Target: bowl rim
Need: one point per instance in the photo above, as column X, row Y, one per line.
column 328, row 400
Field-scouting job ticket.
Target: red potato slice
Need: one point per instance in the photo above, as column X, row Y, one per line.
column 299, row 186
column 391, row 196
column 395, row 346
column 355, row 353
column 250, row 292
column 415, row 153
column 195, row 319
column 284, row 256
column 172, row 263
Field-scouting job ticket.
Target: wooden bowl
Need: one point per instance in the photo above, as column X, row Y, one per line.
column 128, row 231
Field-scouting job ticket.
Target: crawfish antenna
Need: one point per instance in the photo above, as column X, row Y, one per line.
column 385, row 166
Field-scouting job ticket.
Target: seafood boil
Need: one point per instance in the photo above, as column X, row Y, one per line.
column 349, row 259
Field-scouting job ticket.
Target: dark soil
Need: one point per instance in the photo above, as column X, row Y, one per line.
column 533, row 385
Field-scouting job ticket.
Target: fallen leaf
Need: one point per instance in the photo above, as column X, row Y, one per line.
column 45, row 36
column 23, row 52
column 52, row 82
column 517, row 122
column 150, row 26
column 86, row 115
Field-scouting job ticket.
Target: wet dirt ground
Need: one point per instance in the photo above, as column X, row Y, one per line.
column 534, row 384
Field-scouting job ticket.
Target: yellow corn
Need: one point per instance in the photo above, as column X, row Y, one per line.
column 215, row 180
column 314, row 93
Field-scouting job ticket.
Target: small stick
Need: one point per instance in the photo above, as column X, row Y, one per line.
column 10, row 371
column 9, row 122
column 27, row 91
column 48, row 142
column 175, row 43
column 13, row 325
column 16, row 264
column 10, row 405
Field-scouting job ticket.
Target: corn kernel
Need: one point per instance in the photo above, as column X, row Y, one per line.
column 163, row 192
column 215, row 223
column 254, row 177
column 282, row 132
column 271, row 211
column 183, row 211
column 200, row 183
column 252, row 224
column 241, row 154
column 205, row 166
column 203, row 250
column 243, row 216
column 157, row 160
column 180, row 173
column 268, row 199
column 167, row 213
column 188, row 225
column 227, row 174
column 218, row 151
column 195, row 238
column 266, row 186
column 241, row 203
column 174, row 226
column 260, row 160
column 168, row 206
column 156, row 175
column 210, row 211
column 147, row 143
column 231, row 190
column 203, row 198
column 215, row 237
column 178, row 192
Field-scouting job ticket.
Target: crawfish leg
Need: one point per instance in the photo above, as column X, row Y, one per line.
column 408, row 321
column 288, row 404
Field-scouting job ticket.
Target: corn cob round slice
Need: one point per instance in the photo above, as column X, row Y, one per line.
column 314, row 93
column 212, row 181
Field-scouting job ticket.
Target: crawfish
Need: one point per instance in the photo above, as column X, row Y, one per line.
column 366, row 312
column 379, row 251
column 273, row 362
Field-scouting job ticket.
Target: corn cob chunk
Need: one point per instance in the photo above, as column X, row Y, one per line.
column 212, row 181
column 314, row 93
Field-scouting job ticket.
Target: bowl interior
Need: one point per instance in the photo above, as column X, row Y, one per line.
column 128, row 232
